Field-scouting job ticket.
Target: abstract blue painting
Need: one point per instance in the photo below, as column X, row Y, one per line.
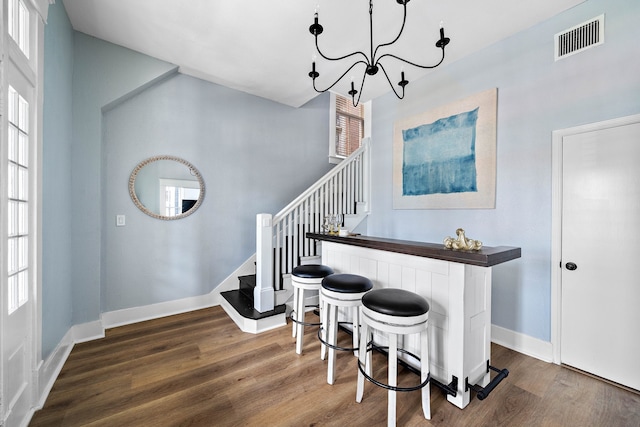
column 445, row 157
column 440, row 157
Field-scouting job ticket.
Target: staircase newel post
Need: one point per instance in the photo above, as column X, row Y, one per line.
column 264, row 293
column 366, row 174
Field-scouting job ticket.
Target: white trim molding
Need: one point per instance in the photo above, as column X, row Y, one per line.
column 522, row 343
column 42, row 6
column 49, row 370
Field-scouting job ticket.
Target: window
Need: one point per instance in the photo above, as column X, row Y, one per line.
column 18, row 199
column 19, row 25
column 350, row 124
column 19, row 143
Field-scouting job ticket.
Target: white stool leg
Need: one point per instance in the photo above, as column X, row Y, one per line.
column 364, row 358
column 295, row 308
column 393, row 379
column 324, row 313
column 332, row 324
column 424, row 371
column 355, row 318
column 300, row 317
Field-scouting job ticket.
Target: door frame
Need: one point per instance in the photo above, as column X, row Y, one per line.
column 556, row 220
column 31, row 71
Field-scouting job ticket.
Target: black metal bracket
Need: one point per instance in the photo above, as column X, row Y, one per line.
column 451, row 389
column 483, row 392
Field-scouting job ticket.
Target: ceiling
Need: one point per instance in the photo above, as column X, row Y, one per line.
column 264, row 47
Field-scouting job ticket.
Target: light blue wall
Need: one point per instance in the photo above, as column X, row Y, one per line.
column 106, row 109
column 102, row 74
column 255, row 156
column 535, row 97
column 57, row 200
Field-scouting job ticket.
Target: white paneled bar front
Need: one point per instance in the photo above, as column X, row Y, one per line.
column 457, row 285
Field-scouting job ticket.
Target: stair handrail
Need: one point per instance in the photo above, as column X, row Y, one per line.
column 364, row 147
column 279, row 233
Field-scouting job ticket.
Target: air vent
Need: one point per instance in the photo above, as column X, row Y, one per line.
column 578, row 38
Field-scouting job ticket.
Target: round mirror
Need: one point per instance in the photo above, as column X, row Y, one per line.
column 166, row 187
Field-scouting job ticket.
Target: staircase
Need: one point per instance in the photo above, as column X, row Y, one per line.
column 260, row 301
column 238, row 304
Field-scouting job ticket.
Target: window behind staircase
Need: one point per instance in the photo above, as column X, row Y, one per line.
column 349, row 126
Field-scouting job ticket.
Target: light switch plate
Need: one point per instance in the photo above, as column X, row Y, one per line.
column 120, row 220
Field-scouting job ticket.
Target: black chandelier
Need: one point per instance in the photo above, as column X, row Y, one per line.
column 373, row 64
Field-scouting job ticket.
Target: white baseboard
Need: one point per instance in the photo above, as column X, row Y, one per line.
column 127, row 316
column 87, row 331
column 522, row 343
column 49, row 370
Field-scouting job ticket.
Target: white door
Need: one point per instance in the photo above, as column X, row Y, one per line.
column 19, row 278
column 19, row 314
column 600, row 322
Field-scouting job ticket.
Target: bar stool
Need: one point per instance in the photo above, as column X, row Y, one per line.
column 305, row 278
column 340, row 290
column 394, row 312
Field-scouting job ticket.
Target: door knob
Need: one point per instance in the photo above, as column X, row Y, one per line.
column 571, row 266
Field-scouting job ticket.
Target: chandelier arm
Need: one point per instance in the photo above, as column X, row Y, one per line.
column 391, row 84
column 328, row 58
column 339, row 78
column 353, row 100
column 404, row 20
column 409, row 62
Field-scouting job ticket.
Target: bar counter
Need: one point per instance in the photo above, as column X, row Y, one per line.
column 485, row 257
column 457, row 285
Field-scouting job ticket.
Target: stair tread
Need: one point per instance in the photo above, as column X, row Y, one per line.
column 244, row 305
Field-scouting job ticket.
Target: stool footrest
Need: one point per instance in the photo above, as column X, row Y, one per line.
column 299, row 322
column 335, row 347
column 483, row 392
column 371, row 347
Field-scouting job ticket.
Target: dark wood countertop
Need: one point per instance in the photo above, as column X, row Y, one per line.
column 485, row 257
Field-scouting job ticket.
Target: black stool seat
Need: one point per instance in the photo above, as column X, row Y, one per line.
column 395, row 302
column 347, row 283
column 312, row 271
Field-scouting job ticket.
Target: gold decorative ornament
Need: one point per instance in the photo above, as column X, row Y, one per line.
column 461, row 243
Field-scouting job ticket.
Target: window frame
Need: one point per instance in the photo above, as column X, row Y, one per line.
column 334, row 157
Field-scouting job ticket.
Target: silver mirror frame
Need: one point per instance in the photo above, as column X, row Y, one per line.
column 143, row 208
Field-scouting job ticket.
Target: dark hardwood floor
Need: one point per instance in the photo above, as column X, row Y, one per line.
column 199, row 369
